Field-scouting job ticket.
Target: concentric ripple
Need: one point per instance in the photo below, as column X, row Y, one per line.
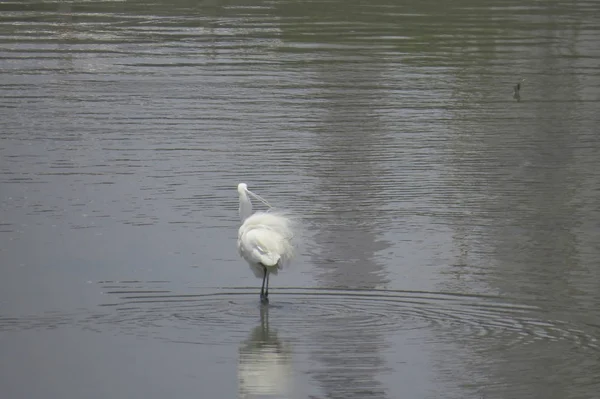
column 223, row 315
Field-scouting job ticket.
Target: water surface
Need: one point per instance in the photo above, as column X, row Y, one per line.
column 448, row 237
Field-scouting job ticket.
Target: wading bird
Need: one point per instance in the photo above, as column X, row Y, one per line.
column 517, row 90
column 264, row 239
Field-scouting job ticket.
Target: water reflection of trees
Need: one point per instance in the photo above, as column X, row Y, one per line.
column 521, row 202
column 349, row 237
column 349, row 140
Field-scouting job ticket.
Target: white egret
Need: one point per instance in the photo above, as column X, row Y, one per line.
column 264, row 239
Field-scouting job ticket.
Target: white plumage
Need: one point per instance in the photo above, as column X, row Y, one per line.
column 264, row 239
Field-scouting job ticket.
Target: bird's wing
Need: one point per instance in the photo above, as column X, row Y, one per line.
column 261, row 245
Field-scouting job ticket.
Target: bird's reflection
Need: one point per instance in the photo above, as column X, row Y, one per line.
column 264, row 366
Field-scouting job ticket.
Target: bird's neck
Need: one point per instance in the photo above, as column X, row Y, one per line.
column 245, row 207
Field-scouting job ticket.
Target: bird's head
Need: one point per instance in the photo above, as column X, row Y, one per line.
column 245, row 204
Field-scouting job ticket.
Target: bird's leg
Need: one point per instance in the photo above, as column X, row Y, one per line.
column 267, row 289
column 263, row 297
column 262, row 288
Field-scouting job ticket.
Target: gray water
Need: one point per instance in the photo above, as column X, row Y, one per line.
column 448, row 238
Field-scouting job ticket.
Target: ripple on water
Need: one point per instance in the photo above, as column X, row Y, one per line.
column 221, row 316
column 233, row 311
